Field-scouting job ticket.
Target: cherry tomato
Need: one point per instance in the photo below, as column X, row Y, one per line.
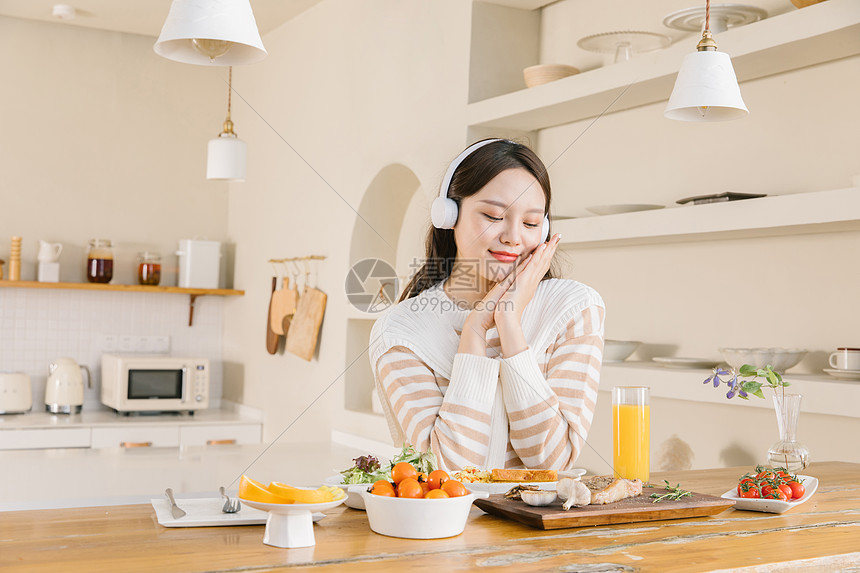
column 743, row 481
column 402, row 471
column 436, row 494
column 409, row 487
column 797, row 489
column 425, row 487
column 766, row 490
column 786, row 490
column 782, row 473
column 383, row 483
column 751, row 493
column 437, row 478
column 454, row 488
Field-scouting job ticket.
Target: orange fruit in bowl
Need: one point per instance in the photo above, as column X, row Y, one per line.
column 454, row 488
column 255, row 491
column 436, row 494
column 437, row 478
column 410, row 487
column 386, row 491
column 402, row 471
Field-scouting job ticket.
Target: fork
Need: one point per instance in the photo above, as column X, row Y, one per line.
column 230, row 505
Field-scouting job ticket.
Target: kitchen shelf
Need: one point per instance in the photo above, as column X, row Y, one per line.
column 192, row 292
column 822, row 394
column 813, row 35
column 820, row 211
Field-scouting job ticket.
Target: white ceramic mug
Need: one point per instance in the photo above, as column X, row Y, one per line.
column 49, row 252
column 845, row 359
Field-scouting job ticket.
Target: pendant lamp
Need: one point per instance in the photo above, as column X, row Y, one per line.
column 211, row 33
column 227, row 153
column 706, row 88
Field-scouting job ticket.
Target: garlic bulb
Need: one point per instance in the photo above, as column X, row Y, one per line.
column 573, row 492
column 538, row 498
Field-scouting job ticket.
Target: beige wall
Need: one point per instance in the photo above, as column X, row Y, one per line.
column 103, row 138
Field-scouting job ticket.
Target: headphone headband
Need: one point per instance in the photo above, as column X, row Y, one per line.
column 446, row 182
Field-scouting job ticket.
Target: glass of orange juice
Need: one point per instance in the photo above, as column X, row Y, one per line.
column 631, row 420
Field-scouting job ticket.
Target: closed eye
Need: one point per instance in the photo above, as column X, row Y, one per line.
column 494, row 219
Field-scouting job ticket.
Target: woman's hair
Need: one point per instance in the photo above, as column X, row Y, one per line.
column 470, row 177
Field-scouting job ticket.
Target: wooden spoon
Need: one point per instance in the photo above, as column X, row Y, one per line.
column 272, row 338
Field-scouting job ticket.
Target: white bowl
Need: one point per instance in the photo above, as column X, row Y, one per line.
column 417, row 518
column 780, row 359
column 353, row 499
column 618, row 350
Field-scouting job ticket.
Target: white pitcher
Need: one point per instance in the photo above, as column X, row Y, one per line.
column 49, row 252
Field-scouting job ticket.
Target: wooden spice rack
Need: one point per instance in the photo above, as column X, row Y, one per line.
column 192, row 292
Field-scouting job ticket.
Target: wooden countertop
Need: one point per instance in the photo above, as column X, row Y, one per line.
column 824, row 531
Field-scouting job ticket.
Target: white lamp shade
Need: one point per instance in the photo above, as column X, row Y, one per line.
column 706, row 89
column 227, row 159
column 231, row 21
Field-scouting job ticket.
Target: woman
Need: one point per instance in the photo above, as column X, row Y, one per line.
column 487, row 358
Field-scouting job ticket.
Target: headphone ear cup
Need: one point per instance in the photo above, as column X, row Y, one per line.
column 545, row 229
column 443, row 213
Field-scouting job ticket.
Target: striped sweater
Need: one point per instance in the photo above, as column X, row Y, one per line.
column 531, row 410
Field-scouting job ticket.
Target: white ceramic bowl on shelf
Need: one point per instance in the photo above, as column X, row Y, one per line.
column 780, row 359
column 618, row 350
column 417, row 518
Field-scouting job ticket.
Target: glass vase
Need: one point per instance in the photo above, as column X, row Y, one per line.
column 788, row 452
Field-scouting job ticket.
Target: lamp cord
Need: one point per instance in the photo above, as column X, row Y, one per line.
column 229, row 90
column 707, row 15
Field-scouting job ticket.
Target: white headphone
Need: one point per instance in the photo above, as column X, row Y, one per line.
column 444, row 210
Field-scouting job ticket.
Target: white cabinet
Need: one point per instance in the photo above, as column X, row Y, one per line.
column 155, row 436
column 219, row 434
column 42, row 438
column 107, row 430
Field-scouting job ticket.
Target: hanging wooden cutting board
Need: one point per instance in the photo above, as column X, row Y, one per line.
column 272, row 338
column 284, row 303
column 633, row 509
column 305, row 326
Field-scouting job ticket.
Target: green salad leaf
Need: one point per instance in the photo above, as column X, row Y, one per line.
column 422, row 461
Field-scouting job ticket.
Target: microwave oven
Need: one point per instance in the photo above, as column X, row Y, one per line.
column 141, row 383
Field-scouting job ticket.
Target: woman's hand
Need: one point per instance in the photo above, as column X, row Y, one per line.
column 525, row 279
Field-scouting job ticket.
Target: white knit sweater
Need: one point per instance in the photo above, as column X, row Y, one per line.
column 532, row 410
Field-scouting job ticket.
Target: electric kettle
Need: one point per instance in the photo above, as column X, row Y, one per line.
column 64, row 390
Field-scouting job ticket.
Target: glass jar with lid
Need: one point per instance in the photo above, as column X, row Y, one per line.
column 100, row 261
column 148, row 268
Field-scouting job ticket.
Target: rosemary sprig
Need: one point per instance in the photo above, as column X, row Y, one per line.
column 675, row 493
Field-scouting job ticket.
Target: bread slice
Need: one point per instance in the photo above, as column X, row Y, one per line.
column 508, row 475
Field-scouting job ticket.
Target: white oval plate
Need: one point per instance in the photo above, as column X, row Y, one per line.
column 772, row 505
column 622, row 208
column 678, row 362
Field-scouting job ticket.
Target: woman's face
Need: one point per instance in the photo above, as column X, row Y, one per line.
column 500, row 225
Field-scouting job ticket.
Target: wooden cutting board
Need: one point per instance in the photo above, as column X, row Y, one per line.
column 305, row 326
column 272, row 337
column 640, row 508
column 284, row 303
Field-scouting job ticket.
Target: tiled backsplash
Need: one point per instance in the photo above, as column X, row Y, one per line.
column 40, row 325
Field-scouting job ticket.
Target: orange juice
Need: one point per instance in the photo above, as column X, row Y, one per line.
column 630, row 440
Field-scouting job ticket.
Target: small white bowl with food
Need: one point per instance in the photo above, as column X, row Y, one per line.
column 420, row 518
